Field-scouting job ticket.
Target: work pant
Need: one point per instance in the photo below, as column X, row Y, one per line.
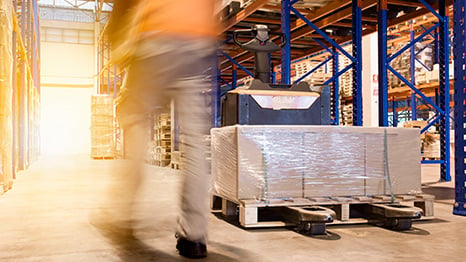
column 169, row 69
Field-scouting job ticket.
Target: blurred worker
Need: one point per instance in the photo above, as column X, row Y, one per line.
column 167, row 46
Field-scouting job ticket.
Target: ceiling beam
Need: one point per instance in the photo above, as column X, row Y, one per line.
column 405, row 3
column 370, row 19
column 240, row 16
column 263, row 20
column 415, row 14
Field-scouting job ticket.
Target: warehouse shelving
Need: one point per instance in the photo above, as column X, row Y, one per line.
column 20, row 88
column 459, row 50
column 340, row 17
column 443, row 107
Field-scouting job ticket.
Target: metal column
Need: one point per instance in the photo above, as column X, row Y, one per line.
column 14, row 95
column 383, row 76
column 412, row 69
column 22, row 92
column 459, row 50
column 335, row 96
column 286, row 49
column 357, row 64
column 444, row 91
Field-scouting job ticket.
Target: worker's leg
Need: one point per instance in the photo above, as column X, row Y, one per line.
column 136, row 101
column 193, row 106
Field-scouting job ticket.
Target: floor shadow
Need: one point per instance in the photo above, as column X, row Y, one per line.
column 229, row 253
column 136, row 250
column 127, row 245
column 329, row 235
column 431, row 221
column 413, row 231
column 232, row 220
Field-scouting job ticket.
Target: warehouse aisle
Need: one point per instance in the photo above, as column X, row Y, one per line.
column 45, row 217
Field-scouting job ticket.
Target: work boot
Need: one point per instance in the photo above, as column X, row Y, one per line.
column 191, row 249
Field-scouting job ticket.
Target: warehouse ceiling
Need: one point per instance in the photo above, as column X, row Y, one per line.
column 94, row 10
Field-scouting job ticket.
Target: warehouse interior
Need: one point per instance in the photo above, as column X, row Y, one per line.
column 383, row 135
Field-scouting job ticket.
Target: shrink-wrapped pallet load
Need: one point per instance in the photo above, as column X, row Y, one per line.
column 282, row 162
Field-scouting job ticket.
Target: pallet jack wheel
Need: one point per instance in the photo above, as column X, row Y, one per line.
column 312, row 229
column 398, row 223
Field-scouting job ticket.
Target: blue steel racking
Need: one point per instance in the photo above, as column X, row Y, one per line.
column 356, row 58
column 459, row 50
column 443, row 107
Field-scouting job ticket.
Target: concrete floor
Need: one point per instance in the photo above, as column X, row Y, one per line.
column 45, row 217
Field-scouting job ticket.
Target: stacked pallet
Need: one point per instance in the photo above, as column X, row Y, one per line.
column 102, row 127
column 162, row 138
column 176, row 160
column 402, row 65
column 346, row 115
column 431, row 146
column 318, row 77
column 346, row 80
column 424, row 73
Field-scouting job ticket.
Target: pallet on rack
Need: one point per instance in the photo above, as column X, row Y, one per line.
column 162, row 156
column 163, row 143
column 349, row 210
column 174, row 165
column 162, row 149
column 162, row 163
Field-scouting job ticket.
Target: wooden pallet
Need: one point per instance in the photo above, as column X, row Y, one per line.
column 175, row 165
column 255, row 213
column 103, row 157
column 162, row 149
column 163, row 122
column 163, row 143
column 162, row 156
column 162, row 163
column 163, row 136
column 430, row 158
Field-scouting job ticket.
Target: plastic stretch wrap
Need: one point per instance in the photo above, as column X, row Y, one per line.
column 270, row 162
column 6, row 92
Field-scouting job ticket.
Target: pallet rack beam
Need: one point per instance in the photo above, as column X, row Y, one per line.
column 459, row 50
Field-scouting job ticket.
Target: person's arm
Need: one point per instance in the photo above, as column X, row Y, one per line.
column 119, row 18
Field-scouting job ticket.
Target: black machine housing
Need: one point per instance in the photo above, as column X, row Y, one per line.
column 242, row 106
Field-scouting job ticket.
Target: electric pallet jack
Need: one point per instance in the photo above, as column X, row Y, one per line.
column 264, row 103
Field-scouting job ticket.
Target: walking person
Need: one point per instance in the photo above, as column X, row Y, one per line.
column 167, row 48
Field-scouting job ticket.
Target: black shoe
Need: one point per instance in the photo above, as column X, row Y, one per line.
column 191, row 249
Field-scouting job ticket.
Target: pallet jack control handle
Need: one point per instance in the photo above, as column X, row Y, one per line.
column 261, row 46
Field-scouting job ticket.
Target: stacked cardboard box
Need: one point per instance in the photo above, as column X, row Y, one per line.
column 346, row 118
column 162, row 138
column 6, row 94
column 102, row 127
column 269, row 162
column 318, row 77
column 346, row 80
